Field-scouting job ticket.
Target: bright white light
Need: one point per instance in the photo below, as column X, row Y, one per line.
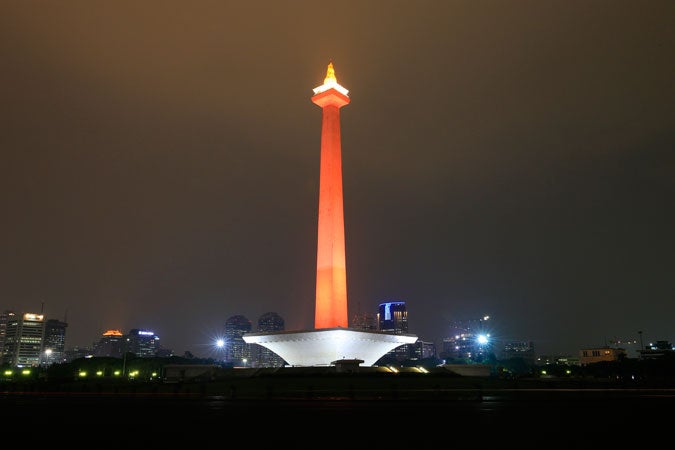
column 323, row 346
column 482, row 339
column 220, row 343
column 330, row 85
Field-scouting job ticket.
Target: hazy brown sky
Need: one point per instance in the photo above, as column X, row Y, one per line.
column 160, row 161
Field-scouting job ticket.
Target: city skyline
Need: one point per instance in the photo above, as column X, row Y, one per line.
column 160, row 169
column 475, row 326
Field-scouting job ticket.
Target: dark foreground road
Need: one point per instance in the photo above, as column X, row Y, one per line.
column 530, row 418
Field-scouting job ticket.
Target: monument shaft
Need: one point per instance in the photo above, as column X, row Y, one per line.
column 331, row 341
column 331, row 273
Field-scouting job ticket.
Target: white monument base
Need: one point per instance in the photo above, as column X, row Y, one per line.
column 322, row 347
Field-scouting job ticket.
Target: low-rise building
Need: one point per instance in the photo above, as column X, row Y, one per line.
column 593, row 355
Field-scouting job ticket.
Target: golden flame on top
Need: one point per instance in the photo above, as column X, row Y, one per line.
column 330, row 82
column 330, row 74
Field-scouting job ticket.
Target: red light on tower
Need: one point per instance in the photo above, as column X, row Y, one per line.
column 331, row 273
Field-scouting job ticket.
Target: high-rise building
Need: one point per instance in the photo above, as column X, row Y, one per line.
column 54, row 342
column 23, row 339
column 364, row 321
column 5, row 316
column 271, row 321
column 112, row 344
column 237, row 352
column 264, row 357
column 421, row 350
column 142, row 343
column 392, row 317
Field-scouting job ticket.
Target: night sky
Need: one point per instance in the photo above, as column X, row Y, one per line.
column 160, row 164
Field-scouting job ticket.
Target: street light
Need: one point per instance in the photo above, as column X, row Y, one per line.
column 220, row 349
column 48, row 354
column 483, row 339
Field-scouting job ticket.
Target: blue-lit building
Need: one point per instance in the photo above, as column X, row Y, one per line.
column 142, row 343
column 392, row 317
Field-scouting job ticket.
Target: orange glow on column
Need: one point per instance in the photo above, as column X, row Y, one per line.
column 331, row 273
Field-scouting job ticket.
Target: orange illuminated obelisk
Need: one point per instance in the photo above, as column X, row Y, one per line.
column 331, row 341
column 331, row 274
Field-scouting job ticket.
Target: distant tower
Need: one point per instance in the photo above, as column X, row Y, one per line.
column 237, row 351
column 392, row 317
column 271, row 321
column 142, row 343
column 331, row 273
column 264, row 357
column 111, row 344
column 5, row 317
column 54, row 342
column 364, row 321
